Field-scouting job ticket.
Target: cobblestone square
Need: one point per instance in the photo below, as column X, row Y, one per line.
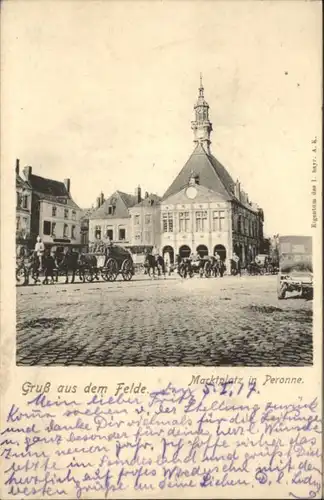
column 173, row 322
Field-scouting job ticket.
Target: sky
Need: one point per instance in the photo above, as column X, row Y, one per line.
column 103, row 93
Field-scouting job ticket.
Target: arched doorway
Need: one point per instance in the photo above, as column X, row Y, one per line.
column 184, row 251
column 168, row 254
column 221, row 250
column 202, row 250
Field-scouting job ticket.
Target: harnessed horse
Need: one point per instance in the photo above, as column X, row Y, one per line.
column 70, row 262
column 154, row 262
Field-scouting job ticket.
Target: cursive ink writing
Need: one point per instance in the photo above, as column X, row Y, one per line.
column 170, row 438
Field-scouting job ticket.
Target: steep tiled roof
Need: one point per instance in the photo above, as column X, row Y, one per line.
column 121, row 201
column 50, row 190
column 128, row 199
column 211, row 174
column 223, row 174
column 147, row 202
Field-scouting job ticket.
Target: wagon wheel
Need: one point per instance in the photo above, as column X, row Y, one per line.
column 88, row 275
column 182, row 271
column 208, row 272
column 111, row 269
column 307, row 293
column 104, row 275
column 21, row 276
column 127, row 270
column 281, row 290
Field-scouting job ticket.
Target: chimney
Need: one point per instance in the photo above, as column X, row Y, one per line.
column 17, row 166
column 27, row 172
column 237, row 190
column 102, row 198
column 98, row 202
column 67, row 184
column 138, row 194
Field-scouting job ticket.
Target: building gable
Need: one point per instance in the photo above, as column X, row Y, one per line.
column 115, row 207
column 211, row 173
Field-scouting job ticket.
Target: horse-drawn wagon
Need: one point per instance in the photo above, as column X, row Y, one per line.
column 107, row 263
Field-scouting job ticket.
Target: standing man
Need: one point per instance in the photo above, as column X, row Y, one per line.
column 238, row 263
column 40, row 249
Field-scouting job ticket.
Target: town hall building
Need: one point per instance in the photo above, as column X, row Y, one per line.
column 204, row 211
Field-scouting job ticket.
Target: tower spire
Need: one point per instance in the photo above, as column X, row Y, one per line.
column 202, row 126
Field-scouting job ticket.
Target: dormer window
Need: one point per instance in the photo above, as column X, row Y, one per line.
column 111, row 209
column 194, row 179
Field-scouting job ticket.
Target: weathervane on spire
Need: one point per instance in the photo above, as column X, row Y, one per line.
column 201, row 88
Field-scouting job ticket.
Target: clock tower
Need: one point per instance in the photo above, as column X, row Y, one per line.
column 202, row 127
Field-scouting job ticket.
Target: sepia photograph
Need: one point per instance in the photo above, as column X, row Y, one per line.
column 161, row 249
column 165, row 181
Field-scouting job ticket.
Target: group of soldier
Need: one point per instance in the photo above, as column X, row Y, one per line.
column 41, row 259
column 195, row 261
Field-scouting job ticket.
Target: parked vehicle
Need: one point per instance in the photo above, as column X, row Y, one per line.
column 109, row 264
column 295, row 266
column 262, row 264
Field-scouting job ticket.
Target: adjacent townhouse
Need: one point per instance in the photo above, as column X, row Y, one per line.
column 111, row 219
column 55, row 217
column 145, row 221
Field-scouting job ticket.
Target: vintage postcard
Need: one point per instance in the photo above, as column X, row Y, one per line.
column 161, row 214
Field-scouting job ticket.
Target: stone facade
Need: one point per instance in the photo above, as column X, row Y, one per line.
column 201, row 225
column 145, row 222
